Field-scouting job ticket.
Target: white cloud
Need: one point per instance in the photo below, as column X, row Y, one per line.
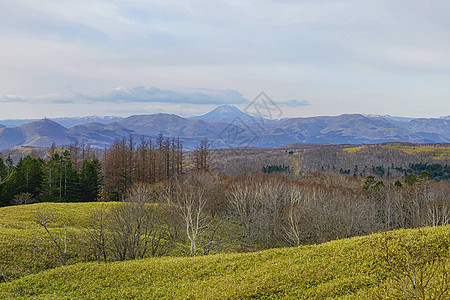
column 293, row 103
column 139, row 94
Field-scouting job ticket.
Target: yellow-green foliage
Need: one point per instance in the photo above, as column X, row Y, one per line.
column 436, row 152
column 413, row 264
column 345, row 269
column 353, row 149
column 22, row 217
column 19, row 233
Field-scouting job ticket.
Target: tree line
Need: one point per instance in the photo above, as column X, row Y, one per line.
column 75, row 174
column 53, row 179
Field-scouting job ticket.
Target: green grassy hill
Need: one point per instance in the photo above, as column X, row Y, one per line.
column 19, row 234
column 340, row 269
column 356, row 268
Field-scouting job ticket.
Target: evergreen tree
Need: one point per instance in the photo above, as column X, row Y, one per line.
column 72, row 185
column 6, row 173
column 61, row 182
column 52, row 179
column 29, row 175
column 90, row 180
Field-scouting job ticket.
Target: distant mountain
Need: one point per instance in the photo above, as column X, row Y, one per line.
column 99, row 135
column 396, row 118
column 73, row 121
column 44, row 132
column 227, row 126
column 227, row 114
column 191, row 131
column 355, row 129
column 66, row 121
column 154, row 124
column 11, row 137
column 16, row 122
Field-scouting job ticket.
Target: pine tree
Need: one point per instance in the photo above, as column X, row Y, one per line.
column 52, row 179
column 29, row 175
column 90, row 180
column 61, row 182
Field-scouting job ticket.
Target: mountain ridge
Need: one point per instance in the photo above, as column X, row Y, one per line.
column 227, row 126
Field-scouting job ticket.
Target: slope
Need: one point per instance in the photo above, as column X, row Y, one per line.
column 44, row 132
column 340, row 269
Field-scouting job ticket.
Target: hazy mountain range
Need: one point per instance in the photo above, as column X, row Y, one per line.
column 225, row 126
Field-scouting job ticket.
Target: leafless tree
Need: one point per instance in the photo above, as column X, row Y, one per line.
column 413, row 266
column 256, row 203
column 190, row 203
column 139, row 226
column 60, row 251
column 201, row 156
column 293, row 217
column 97, row 237
column 193, row 198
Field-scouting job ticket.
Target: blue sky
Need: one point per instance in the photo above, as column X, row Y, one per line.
column 312, row 57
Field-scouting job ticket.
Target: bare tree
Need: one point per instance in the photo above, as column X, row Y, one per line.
column 60, row 242
column 138, row 226
column 413, row 266
column 293, row 217
column 190, row 203
column 201, row 155
column 192, row 196
column 96, row 236
column 256, row 202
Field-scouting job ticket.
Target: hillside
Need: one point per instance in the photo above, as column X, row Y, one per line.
column 45, row 132
column 339, row 269
column 19, row 231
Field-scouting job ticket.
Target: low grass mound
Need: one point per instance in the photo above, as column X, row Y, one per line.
column 435, row 152
column 379, row 265
column 353, row 149
column 19, row 233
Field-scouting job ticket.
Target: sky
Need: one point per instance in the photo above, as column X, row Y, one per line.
column 63, row 58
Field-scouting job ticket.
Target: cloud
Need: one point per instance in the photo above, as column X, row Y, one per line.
column 153, row 94
column 293, row 103
column 11, row 98
column 140, row 94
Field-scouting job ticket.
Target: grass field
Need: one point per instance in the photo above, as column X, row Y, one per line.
column 342, row 269
column 435, row 152
column 353, row 149
column 19, row 233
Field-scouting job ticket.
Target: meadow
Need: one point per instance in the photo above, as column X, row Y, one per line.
column 435, row 152
column 342, row 269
